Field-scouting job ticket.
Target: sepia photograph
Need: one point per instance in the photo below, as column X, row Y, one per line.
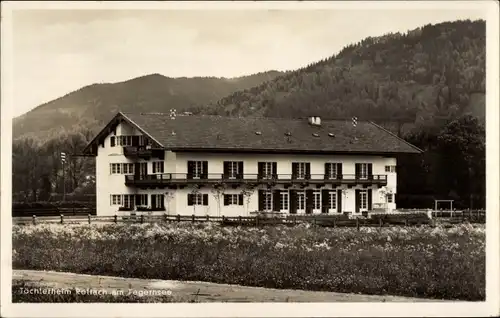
column 250, row 153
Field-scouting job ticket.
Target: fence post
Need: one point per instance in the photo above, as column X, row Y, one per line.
column 62, row 219
column 34, row 219
column 142, row 218
column 164, row 217
column 380, row 222
column 314, row 222
column 357, row 223
column 192, row 218
column 239, row 218
column 88, row 216
column 334, row 223
column 406, row 222
column 256, row 220
column 208, row 218
column 115, row 218
column 223, row 219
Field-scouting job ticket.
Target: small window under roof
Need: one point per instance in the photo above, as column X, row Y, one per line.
column 288, row 133
column 331, row 134
column 258, row 133
column 316, row 135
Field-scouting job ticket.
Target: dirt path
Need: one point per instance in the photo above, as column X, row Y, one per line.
column 200, row 291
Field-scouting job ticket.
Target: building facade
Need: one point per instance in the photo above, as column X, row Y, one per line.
column 222, row 166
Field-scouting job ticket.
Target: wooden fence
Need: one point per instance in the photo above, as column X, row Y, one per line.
column 53, row 211
column 315, row 220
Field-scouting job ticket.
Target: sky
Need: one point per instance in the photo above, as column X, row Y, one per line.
column 59, row 51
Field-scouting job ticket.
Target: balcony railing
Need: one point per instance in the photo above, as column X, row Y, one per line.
column 183, row 178
column 142, row 152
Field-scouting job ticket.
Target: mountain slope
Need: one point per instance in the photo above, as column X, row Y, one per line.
column 90, row 106
column 437, row 71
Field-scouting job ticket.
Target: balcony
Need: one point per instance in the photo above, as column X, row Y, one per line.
column 170, row 179
column 141, row 152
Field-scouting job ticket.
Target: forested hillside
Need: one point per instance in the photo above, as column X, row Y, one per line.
column 433, row 71
column 92, row 105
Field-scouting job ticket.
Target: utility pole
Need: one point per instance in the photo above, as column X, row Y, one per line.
column 63, row 161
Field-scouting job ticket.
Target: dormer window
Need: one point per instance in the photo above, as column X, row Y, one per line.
column 258, row 133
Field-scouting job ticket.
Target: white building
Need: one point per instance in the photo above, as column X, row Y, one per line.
column 213, row 165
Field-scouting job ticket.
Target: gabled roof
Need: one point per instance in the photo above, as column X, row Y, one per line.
column 262, row 134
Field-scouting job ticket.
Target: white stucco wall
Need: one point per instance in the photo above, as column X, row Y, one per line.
column 107, row 184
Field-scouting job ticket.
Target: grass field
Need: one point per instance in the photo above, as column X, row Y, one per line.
column 430, row 262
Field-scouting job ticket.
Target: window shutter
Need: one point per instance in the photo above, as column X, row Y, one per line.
column 240, row 170
column 190, row 169
column 240, row 199
column 205, row 199
column 325, row 201
column 146, row 199
column 226, row 199
column 339, row 170
column 112, row 139
column 370, row 171
column 154, row 167
column 309, row 201
column 308, row 170
column 327, row 170
column 190, row 199
column 226, row 169
column 339, row 200
column 293, row 202
column 260, row 170
column 357, row 170
column 358, row 199
column 261, row 200
column 295, row 168
column 205, row 170
column 369, row 199
column 137, row 199
column 276, row 200
column 135, row 140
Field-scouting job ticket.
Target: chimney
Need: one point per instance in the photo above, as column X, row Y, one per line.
column 314, row 120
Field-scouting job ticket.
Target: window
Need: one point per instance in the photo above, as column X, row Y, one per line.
column 116, row 199
column 125, row 200
column 389, row 197
column 363, row 200
column 301, row 201
column 142, row 199
column 331, row 170
column 195, row 199
column 157, row 202
column 363, row 170
column 333, row 200
column 124, row 140
column 158, row 166
column 112, row 141
column 233, row 199
column 284, row 201
column 390, row 168
column 316, row 200
column 195, row 168
column 300, row 169
column 233, row 170
column 267, row 170
column 122, row 168
column 268, row 201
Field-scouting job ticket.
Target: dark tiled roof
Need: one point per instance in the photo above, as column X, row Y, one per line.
column 267, row 134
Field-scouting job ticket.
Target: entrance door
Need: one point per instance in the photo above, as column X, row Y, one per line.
column 301, row 202
column 363, row 201
column 316, row 202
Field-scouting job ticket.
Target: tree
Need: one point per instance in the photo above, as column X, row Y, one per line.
column 463, row 144
column 247, row 191
column 195, row 190
column 218, row 191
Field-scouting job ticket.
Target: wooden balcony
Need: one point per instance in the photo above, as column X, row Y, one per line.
column 173, row 179
column 141, row 152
